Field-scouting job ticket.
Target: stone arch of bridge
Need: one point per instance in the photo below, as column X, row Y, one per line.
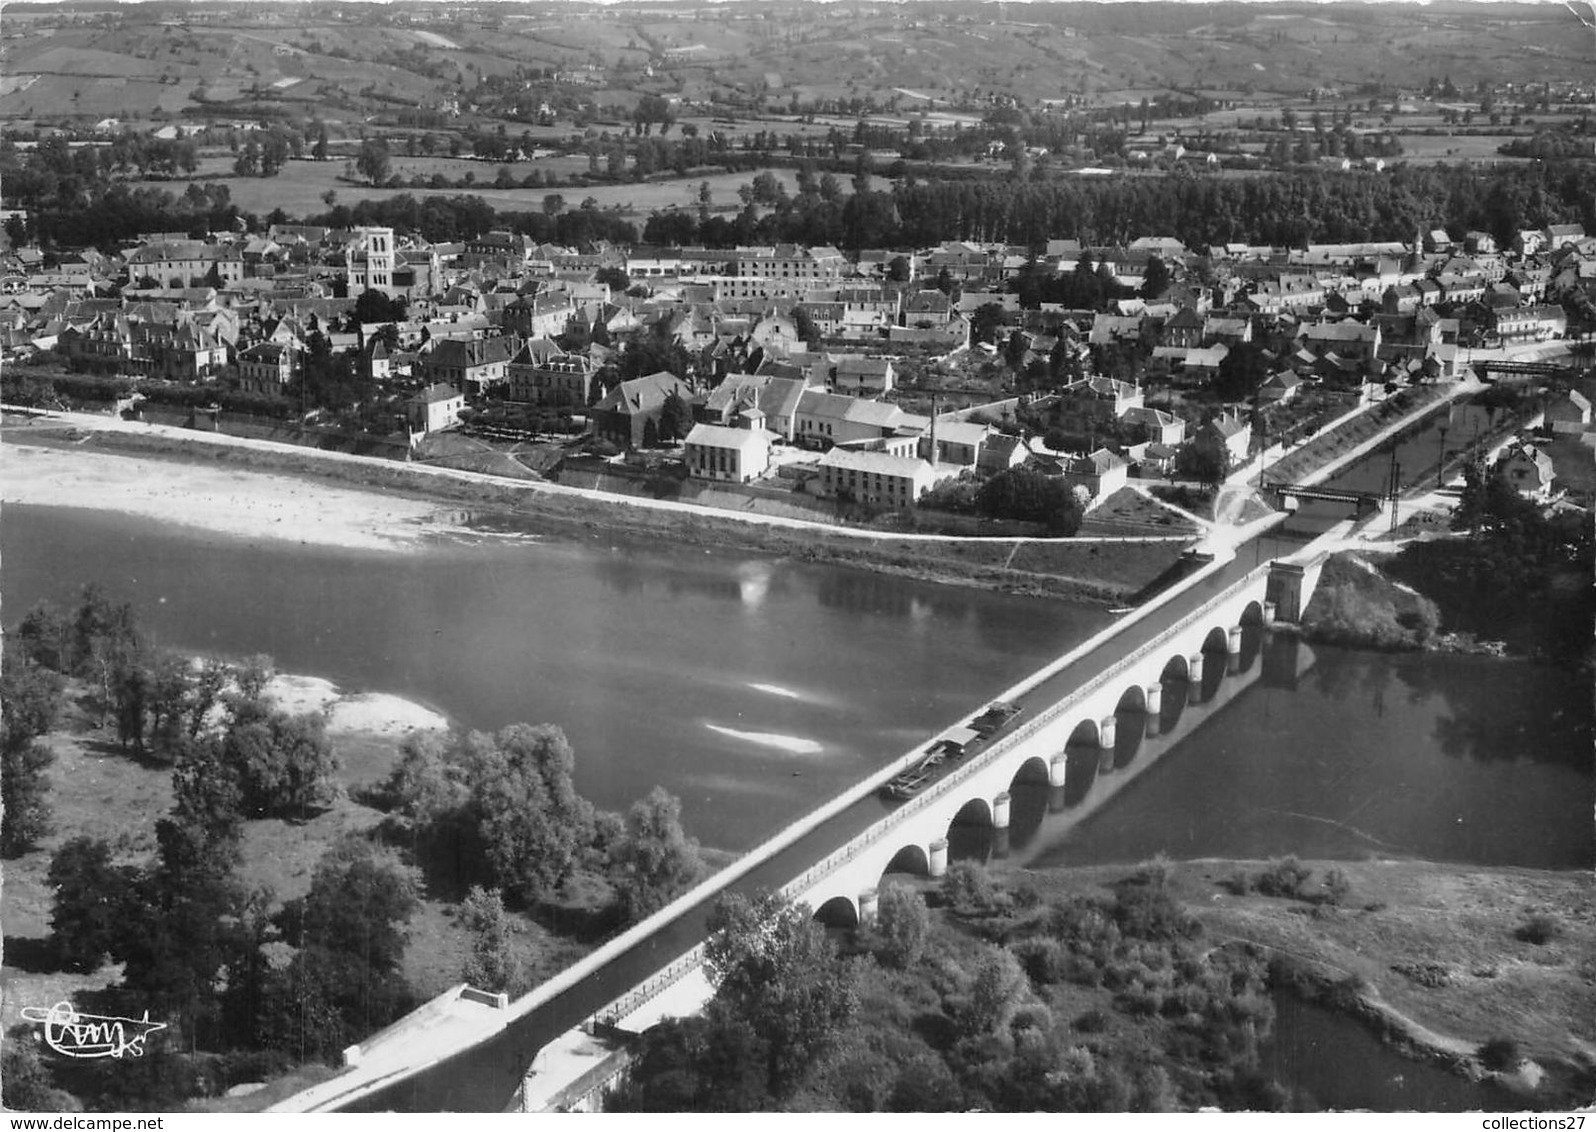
column 1132, row 699
column 1217, row 640
column 975, row 811
column 1177, row 669
column 838, row 912
column 911, row 859
column 1034, row 769
column 1252, row 613
column 1084, row 734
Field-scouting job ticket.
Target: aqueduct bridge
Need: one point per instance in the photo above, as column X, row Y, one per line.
column 467, row 1051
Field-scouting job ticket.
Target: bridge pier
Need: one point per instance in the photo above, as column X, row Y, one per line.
column 1000, row 842
column 1000, row 810
column 1153, row 699
column 1058, row 771
column 1107, row 732
column 1233, row 640
column 1194, row 669
column 867, row 907
column 1105, row 762
column 937, row 858
column 1269, row 611
column 1058, row 774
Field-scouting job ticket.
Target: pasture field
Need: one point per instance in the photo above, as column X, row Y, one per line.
column 299, row 189
column 1477, row 148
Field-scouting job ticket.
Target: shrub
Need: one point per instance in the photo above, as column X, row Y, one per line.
column 1155, row 872
column 1238, row 883
column 1336, row 887
column 1093, row 1021
column 1539, row 929
column 1046, row 961
column 1432, row 975
column 1283, row 877
column 968, row 889
column 1499, row 1054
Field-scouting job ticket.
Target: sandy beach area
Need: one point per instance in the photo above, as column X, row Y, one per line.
column 252, row 505
column 364, row 713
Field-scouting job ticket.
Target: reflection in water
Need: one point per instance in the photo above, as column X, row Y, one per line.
column 1336, row 753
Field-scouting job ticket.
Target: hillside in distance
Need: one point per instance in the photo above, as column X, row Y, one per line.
column 345, row 60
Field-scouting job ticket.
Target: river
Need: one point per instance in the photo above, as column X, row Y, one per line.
column 753, row 688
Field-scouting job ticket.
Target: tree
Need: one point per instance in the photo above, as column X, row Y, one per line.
column 493, row 964
column 615, row 278
column 374, row 306
column 319, row 150
column 24, row 792
column 29, row 699
column 345, row 981
column 653, row 860
column 533, row 824
column 1241, row 372
column 28, row 1084
column 804, row 323
column 374, row 161
column 89, row 912
column 985, row 321
column 999, row 984
column 1155, row 279
column 775, row 969
column 902, row 922
column 1204, row 460
column 285, row 763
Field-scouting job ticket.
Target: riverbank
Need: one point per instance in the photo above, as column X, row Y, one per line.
column 97, row 789
column 1438, row 959
column 257, row 490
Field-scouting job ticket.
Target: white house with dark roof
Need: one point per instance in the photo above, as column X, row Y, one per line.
column 878, row 478
column 737, row 455
column 1231, row 430
column 1101, row 473
column 435, row 408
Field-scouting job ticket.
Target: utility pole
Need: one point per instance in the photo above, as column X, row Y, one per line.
column 1440, row 468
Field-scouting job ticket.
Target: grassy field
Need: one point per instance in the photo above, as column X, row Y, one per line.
column 99, row 790
column 300, row 188
column 1422, row 148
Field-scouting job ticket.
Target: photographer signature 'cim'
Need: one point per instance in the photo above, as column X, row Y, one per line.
column 92, row 1035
